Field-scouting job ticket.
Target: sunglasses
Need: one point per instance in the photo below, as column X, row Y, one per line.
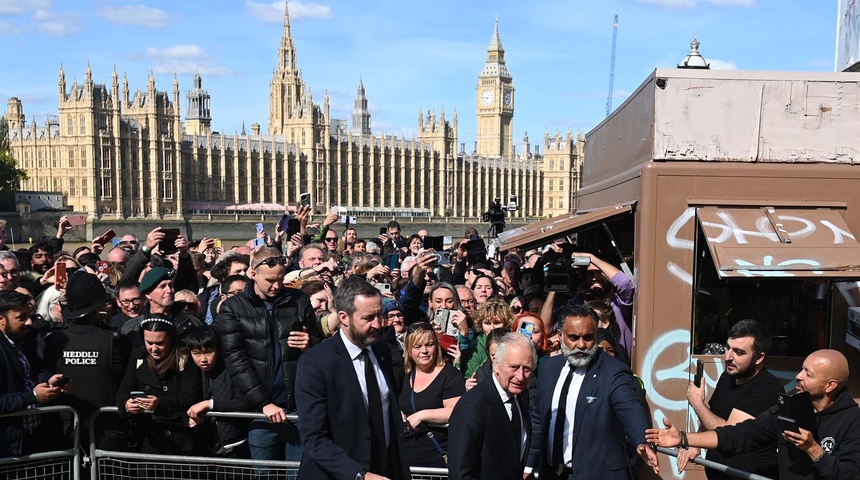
column 332, row 239
column 271, row 262
column 420, row 326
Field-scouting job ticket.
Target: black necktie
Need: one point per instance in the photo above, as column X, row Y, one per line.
column 516, row 423
column 558, row 430
column 378, row 448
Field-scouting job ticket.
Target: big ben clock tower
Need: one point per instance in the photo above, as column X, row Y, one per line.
column 495, row 103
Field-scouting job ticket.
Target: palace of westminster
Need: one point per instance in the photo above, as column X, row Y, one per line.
column 121, row 155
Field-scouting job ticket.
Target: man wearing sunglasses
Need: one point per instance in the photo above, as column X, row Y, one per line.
column 265, row 331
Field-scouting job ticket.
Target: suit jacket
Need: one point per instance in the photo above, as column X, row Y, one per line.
column 608, row 413
column 335, row 436
column 14, row 397
column 481, row 443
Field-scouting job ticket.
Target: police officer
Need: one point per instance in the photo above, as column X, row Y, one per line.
column 86, row 349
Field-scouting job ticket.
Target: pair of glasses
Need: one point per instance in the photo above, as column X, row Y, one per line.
column 517, row 309
column 393, row 315
column 423, row 326
column 135, row 301
column 271, row 262
column 468, row 301
column 332, row 239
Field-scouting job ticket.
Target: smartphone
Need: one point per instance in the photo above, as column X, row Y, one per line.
column 137, row 394
column 795, row 412
column 305, row 199
column 441, row 318
column 383, row 287
column 62, row 382
column 76, row 220
column 259, row 242
column 106, row 237
column 168, row 243
column 294, row 226
column 700, row 371
column 383, row 231
column 297, row 326
column 392, row 261
column 283, row 222
column 447, row 341
column 259, row 227
column 218, row 243
column 102, row 266
column 527, row 328
column 61, row 276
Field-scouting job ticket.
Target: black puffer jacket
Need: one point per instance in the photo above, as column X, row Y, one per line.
column 246, row 340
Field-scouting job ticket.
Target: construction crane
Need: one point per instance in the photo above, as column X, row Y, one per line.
column 612, row 66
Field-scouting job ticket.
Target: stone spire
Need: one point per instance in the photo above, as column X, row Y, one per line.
column 495, row 65
column 360, row 113
column 61, row 83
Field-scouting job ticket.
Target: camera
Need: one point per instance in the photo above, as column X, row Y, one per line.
column 561, row 272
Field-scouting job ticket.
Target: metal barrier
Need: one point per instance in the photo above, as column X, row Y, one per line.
column 116, row 465
column 54, row 464
column 715, row 466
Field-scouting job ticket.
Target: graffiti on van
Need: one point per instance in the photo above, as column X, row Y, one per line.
column 729, row 229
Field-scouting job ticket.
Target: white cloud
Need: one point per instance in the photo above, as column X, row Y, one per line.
column 20, row 7
column 621, row 93
column 690, row 4
column 139, row 15
column 37, row 15
column 183, row 60
column 722, row 64
column 176, row 51
column 9, row 28
column 274, row 12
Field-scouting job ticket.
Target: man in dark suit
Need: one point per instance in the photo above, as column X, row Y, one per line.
column 586, row 410
column 351, row 426
column 489, row 428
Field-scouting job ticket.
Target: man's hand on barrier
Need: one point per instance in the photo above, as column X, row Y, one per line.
column 274, row 413
column 686, row 455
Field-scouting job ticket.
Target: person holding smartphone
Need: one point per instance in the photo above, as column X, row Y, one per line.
column 160, row 384
column 264, row 331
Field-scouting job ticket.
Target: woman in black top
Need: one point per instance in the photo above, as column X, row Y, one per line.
column 166, row 384
column 428, row 397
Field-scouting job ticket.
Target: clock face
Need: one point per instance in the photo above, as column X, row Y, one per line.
column 487, row 97
column 507, row 98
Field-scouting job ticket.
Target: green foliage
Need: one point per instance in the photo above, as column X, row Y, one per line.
column 10, row 174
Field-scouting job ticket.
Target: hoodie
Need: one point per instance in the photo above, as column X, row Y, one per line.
column 838, row 433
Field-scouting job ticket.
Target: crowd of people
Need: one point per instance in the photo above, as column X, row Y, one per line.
column 455, row 358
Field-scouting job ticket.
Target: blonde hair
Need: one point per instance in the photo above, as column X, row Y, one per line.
column 494, row 307
column 420, row 333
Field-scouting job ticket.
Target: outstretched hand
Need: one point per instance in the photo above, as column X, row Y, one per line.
column 668, row 437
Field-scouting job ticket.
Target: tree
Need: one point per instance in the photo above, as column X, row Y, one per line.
column 10, row 174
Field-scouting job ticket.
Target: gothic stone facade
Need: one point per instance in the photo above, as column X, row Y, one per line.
column 119, row 155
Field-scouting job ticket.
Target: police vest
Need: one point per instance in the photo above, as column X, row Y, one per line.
column 84, row 353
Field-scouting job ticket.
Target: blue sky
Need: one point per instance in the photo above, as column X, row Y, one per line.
column 410, row 54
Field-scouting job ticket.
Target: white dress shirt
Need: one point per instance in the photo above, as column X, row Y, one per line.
column 358, row 363
column 570, row 411
column 508, row 408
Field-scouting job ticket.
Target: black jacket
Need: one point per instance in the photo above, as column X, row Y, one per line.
column 166, row 430
column 838, row 433
column 246, row 341
column 14, row 397
column 225, row 397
